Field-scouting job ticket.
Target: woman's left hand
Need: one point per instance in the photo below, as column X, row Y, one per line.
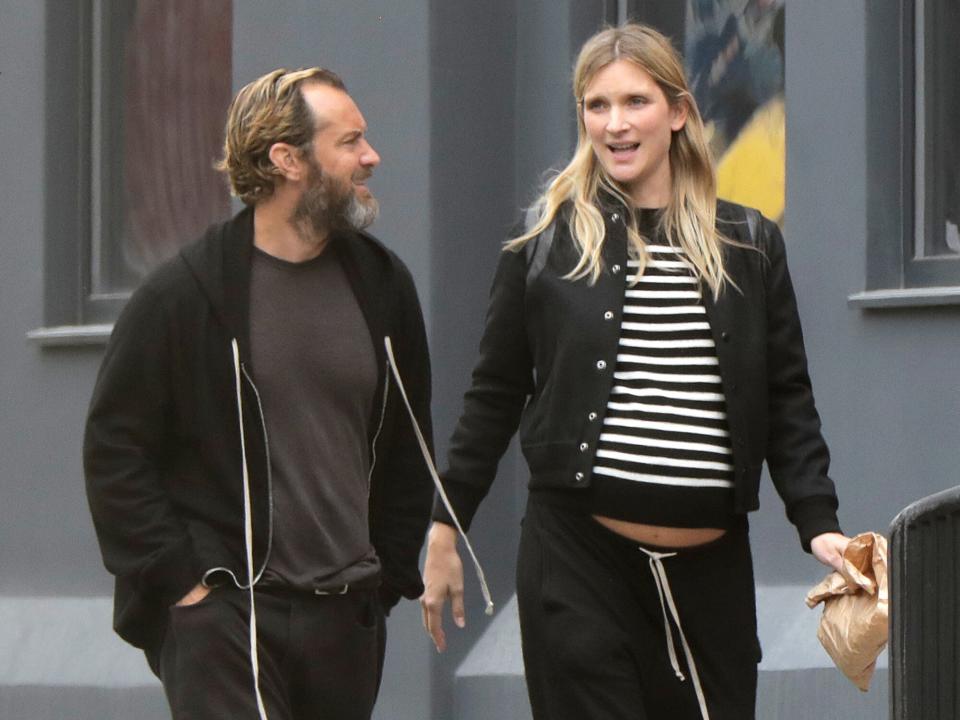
column 828, row 548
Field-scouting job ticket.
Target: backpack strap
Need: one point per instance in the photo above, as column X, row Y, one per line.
column 537, row 249
column 752, row 217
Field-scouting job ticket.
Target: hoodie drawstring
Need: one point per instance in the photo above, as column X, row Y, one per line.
column 436, row 477
column 248, row 514
column 248, row 537
column 666, row 600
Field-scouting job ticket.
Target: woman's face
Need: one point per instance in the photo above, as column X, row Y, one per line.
column 630, row 125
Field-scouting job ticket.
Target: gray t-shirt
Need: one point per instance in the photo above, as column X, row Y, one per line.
column 314, row 365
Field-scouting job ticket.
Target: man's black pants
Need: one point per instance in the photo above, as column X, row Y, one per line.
column 594, row 631
column 319, row 656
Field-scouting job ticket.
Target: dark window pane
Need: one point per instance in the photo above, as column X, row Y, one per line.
column 938, row 237
column 162, row 84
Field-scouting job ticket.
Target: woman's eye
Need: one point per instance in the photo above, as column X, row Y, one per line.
column 638, row 100
column 596, row 105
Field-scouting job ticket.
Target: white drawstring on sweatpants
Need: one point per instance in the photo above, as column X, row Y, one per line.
column 666, row 601
column 436, row 477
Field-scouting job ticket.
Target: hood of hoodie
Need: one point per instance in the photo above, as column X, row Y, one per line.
column 221, row 264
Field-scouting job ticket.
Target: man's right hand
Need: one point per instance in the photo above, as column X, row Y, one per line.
column 198, row 593
column 442, row 578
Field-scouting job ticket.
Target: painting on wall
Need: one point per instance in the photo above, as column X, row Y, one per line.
column 734, row 54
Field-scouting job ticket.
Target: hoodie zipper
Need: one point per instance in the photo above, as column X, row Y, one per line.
column 266, row 452
column 266, row 446
column 248, row 537
column 376, row 435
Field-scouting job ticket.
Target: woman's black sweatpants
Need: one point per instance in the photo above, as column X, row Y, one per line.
column 593, row 625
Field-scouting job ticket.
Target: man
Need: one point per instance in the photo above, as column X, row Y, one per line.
column 244, row 425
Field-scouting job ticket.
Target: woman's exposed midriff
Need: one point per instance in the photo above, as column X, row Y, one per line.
column 659, row 536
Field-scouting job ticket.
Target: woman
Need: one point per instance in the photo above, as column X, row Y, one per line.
column 652, row 365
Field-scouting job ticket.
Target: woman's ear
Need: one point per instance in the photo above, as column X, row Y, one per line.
column 678, row 115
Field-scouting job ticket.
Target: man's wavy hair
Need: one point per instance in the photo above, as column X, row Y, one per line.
column 269, row 110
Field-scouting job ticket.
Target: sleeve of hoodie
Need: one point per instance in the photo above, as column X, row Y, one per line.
column 501, row 382
column 141, row 537
column 405, row 488
column 797, row 454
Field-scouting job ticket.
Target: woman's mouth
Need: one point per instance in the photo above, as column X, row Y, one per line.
column 622, row 148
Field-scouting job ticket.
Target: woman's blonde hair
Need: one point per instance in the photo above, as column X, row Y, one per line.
column 689, row 219
column 269, row 110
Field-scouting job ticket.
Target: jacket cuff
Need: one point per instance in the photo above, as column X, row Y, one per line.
column 171, row 575
column 389, row 597
column 392, row 589
column 464, row 502
column 440, row 513
column 814, row 516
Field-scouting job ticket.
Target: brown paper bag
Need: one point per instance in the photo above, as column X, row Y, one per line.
column 853, row 629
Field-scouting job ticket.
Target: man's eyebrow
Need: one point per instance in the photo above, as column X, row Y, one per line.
column 353, row 134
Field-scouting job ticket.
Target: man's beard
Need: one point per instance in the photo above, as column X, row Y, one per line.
column 328, row 206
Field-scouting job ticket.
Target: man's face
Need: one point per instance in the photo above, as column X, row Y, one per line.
column 326, row 204
column 335, row 194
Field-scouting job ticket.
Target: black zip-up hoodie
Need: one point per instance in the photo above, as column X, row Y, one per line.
column 162, row 448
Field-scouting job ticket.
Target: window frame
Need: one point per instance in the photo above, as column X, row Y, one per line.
column 69, row 317
column 75, row 312
column 894, row 277
column 66, row 214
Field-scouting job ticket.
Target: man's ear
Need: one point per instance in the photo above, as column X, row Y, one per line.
column 286, row 160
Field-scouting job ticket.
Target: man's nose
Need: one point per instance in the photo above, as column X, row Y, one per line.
column 370, row 157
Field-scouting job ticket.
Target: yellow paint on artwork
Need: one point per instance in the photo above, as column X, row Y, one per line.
column 752, row 171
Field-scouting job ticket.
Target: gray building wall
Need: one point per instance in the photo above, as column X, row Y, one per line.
column 52, row 582
column 467, row 103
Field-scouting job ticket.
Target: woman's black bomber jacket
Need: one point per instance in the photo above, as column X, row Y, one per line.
column 548, row 354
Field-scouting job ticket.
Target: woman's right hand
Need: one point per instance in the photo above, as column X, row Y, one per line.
column 442, row 579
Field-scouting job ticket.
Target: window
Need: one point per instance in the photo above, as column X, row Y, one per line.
column 136, row 104
column 938, row 138
column 913, row 159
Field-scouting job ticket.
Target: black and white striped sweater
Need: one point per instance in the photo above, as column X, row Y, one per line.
column 664, row 455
